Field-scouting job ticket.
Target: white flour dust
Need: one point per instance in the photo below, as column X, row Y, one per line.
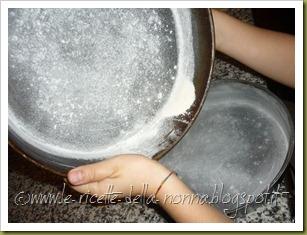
column 92, row 83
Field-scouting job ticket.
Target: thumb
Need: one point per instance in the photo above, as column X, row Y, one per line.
column 90, row 173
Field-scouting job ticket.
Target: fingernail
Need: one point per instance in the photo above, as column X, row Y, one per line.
column 75, row 177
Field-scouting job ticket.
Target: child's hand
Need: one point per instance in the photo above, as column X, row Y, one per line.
column 123, row 172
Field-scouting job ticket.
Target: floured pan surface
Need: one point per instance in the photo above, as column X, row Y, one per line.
column 239, row 145
column 88, row 83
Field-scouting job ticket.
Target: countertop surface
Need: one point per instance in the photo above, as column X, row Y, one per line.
column 26, row 178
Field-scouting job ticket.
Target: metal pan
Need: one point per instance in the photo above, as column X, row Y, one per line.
column 238, row 147
column 40, row 38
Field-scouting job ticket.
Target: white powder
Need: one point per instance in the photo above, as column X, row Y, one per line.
column 180, row 100
column 98, row 85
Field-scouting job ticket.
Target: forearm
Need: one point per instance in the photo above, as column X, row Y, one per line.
column 182, row 205
column 267, row 52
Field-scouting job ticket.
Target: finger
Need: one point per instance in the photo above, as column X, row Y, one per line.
column 91, row 173
column 89, row 188
column 94, row 188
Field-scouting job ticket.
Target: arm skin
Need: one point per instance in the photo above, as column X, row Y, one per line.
column 186, row 211
column 125, row 170
column 267, row 52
